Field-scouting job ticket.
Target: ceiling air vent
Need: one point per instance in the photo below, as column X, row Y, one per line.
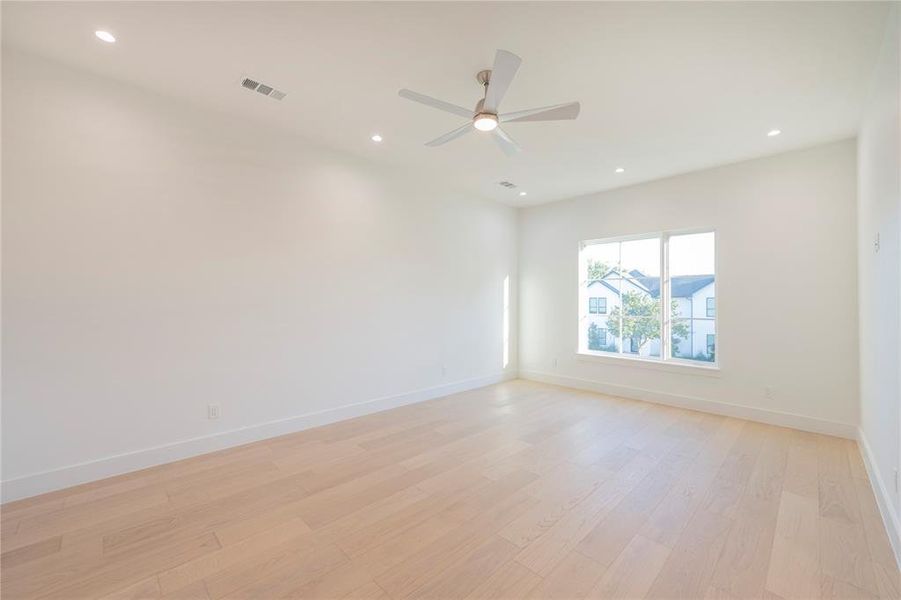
column 250, row 84
column 262, row 88
column 507, row 184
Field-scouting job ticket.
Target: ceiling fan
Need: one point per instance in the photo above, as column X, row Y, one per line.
column 485, row 116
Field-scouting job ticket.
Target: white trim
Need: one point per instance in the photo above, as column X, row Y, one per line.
column 890, row 518
column 674, row 365
column 39, row 483
column 762, row 415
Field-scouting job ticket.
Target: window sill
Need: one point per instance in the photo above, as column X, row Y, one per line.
column 671, row 366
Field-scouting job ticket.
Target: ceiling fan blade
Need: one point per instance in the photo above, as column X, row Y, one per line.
column 558, row 112
column 435, row 103
column 505, row 142
column 451, row 135
column 505, row 66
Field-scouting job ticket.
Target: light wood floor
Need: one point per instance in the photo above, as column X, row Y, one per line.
column 518, row 490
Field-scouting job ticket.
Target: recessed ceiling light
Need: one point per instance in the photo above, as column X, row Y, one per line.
column 620, row 170
column 106, row 36
column 774, row 132
column 376, row 138
column 522, row 193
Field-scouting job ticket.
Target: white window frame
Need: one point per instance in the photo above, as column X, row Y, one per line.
column 665, row 361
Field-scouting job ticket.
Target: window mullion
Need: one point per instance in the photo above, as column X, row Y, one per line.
column 665, row 325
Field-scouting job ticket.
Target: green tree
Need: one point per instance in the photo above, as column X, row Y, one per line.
column 640, row 321
column 678, row 327
column 594, row 337
column 597, row 269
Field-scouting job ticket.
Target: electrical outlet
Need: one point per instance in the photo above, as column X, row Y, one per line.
column 213, row 411
column 876, row 243
column 555, row 362
column 897, row 483
column 443, row 370
column 768, row 393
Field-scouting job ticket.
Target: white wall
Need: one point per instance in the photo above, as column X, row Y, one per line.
column 786, row 246
column 157, row 258
column 879, row 206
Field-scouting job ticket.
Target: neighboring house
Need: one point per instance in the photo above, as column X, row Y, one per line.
column 695, row 300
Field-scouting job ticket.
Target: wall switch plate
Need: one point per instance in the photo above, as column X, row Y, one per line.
column 213, row 411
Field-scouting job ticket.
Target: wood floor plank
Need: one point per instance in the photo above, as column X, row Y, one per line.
column 370, row 591
column 836, row 589
column 347, row 580
column 844, row 554
column 462, row 579
column 273, row 541
column 518, row 490
column 543, row 554
column 633, row 572
column 19, row 556
column 795, row 560
column 111, row 576
column 146, row 589
column 689, row 568
column 802, row 470
column 452, row 548
column 558, row 494
column 403, row 546
column 510, row 580
column 612, row 534
column 742, row 566
column 572, row 578
column 277, row 576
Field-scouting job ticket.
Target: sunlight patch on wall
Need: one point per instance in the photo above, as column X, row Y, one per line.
column 506, row 321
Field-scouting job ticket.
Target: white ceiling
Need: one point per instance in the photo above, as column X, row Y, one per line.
column 665, row 87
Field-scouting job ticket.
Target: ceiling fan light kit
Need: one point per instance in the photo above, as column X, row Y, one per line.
column 485, row 117
column 485, row 122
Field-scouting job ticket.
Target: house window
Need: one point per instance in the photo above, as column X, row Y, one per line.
column 597, row 338
column 659, row 296
column 597, row 306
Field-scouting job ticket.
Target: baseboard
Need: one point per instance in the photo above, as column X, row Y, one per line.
column 47, row 481
column 761, row 415
column 889, row 517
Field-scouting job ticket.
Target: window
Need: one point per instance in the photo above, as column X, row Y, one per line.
column 597, row 337
column 659, row 297
column 597, row 306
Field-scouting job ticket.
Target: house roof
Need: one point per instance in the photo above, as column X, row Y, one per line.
column 683, row 285
column 686, row 285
